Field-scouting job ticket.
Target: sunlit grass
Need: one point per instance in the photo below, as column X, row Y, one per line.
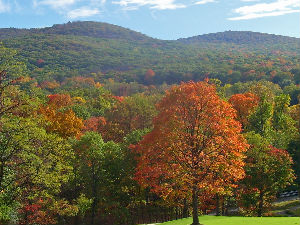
column 224, row 220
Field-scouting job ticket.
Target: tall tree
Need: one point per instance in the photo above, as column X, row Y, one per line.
column 101, row 169
column 195, row 144
column 284, row 126
column 268, row 170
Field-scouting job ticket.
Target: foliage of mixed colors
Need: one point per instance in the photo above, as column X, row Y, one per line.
column 108, row 140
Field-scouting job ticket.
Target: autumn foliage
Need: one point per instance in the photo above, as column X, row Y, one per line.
column 149, row 76
column 61, row 121
column 95, row 124
column 244, row 104
column 59, row 100
column 195, row 145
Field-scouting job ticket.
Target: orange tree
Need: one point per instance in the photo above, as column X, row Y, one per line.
column 195, row 145
column 61, row 119
column 244, row 104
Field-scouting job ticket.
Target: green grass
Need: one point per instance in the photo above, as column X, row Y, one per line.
column 223, row 220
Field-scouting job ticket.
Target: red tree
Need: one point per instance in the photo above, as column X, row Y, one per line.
column 59, row 100
column 195, row 146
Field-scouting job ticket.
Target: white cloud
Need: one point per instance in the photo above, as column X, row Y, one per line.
column 250, row 0
column 55, row 3
column 153, row 4
column 202, row 2
column 82, row 12
column 4, row 7
column 85, row 8
column 260, row 15
column 277, row 8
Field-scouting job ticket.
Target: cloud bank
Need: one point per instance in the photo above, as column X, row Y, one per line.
column 153, row 4
column 259, row 10
column 74, row 9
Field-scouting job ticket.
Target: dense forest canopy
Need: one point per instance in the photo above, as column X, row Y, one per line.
column 108, row 51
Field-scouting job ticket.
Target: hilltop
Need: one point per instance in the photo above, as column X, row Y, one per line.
column 241, row 37
column 80, row 28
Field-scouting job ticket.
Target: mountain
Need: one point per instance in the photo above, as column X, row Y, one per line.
column 107, row 51
column 110, row 31
column 241, row 37
column 80, row 28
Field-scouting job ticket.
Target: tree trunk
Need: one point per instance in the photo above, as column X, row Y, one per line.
column 260, row 204
column 94, row 193
column 195, row 206
column 218, row 213
column 223, row 206
column 1, row 173
column 185, row 209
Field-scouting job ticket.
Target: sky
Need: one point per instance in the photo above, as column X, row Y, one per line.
column 163, row 19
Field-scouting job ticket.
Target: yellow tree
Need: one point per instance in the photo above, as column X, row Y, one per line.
column 61, row 120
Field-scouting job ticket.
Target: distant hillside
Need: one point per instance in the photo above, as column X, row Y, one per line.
column 106, row 51
column 87, row 28
column 241, row 37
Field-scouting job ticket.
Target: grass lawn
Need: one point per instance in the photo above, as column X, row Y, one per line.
column 223, row 220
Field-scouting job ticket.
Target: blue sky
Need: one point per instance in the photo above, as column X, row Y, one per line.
column 164, row 19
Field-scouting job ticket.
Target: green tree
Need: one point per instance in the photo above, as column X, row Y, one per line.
column 10, row 64
column 132, row 113
column 101, row 168
column 284, row 127
column 34, row 164
column 260, row 120
column 268, row 170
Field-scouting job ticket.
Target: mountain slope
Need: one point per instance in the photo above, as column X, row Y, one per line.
column 82, row 48
column 241, row 37
column 85, row 28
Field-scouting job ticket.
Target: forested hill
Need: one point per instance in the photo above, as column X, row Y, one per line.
column 106, row 30
column 84, row 28
column 106, row 51
column 242, row 37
